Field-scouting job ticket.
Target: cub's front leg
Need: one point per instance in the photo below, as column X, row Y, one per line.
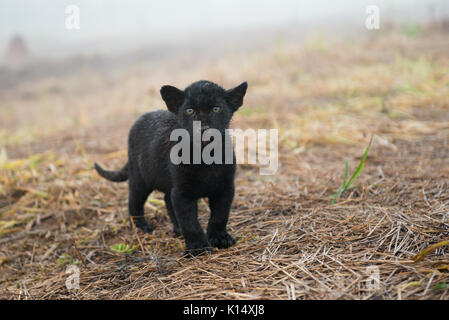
column 220, row 206
column 186, row 211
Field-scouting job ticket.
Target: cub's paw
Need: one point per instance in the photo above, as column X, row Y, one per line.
column 141, row 224
column 221, row 241
column 197, row 249
column 197, row 252
column 177, row 232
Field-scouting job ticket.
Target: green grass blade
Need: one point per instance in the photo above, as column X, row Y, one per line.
column 361, row 165
column 346, row 184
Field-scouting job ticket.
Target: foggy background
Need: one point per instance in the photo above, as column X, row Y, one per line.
column 110, row 27
column 35, row 42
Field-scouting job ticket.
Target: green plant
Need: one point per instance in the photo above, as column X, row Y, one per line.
column 347, row 184
column 66, row 258
column 441, row 286
column 412, row 29
column 123, row 248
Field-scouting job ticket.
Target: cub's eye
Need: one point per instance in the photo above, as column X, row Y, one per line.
column 216, row 109
column 189, row 111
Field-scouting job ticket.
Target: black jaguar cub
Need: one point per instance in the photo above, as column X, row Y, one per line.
column 150, row 167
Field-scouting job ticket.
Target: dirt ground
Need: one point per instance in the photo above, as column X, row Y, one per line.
column 327, row 98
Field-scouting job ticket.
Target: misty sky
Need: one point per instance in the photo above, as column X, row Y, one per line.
column 42, row 22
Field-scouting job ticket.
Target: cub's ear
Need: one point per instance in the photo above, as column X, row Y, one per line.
column 235, row 96
column 173, row 97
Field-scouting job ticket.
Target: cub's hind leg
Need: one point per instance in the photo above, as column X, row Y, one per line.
column 171, row 214
column 138, row 194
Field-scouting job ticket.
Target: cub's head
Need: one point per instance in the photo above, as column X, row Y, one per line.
column 204, row 101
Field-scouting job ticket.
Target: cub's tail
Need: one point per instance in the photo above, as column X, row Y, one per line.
column 116, row 176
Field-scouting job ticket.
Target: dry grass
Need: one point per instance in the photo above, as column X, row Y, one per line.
column 326, row 100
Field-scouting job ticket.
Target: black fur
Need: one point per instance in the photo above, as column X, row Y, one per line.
column 116, row 176
column 149, row 167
